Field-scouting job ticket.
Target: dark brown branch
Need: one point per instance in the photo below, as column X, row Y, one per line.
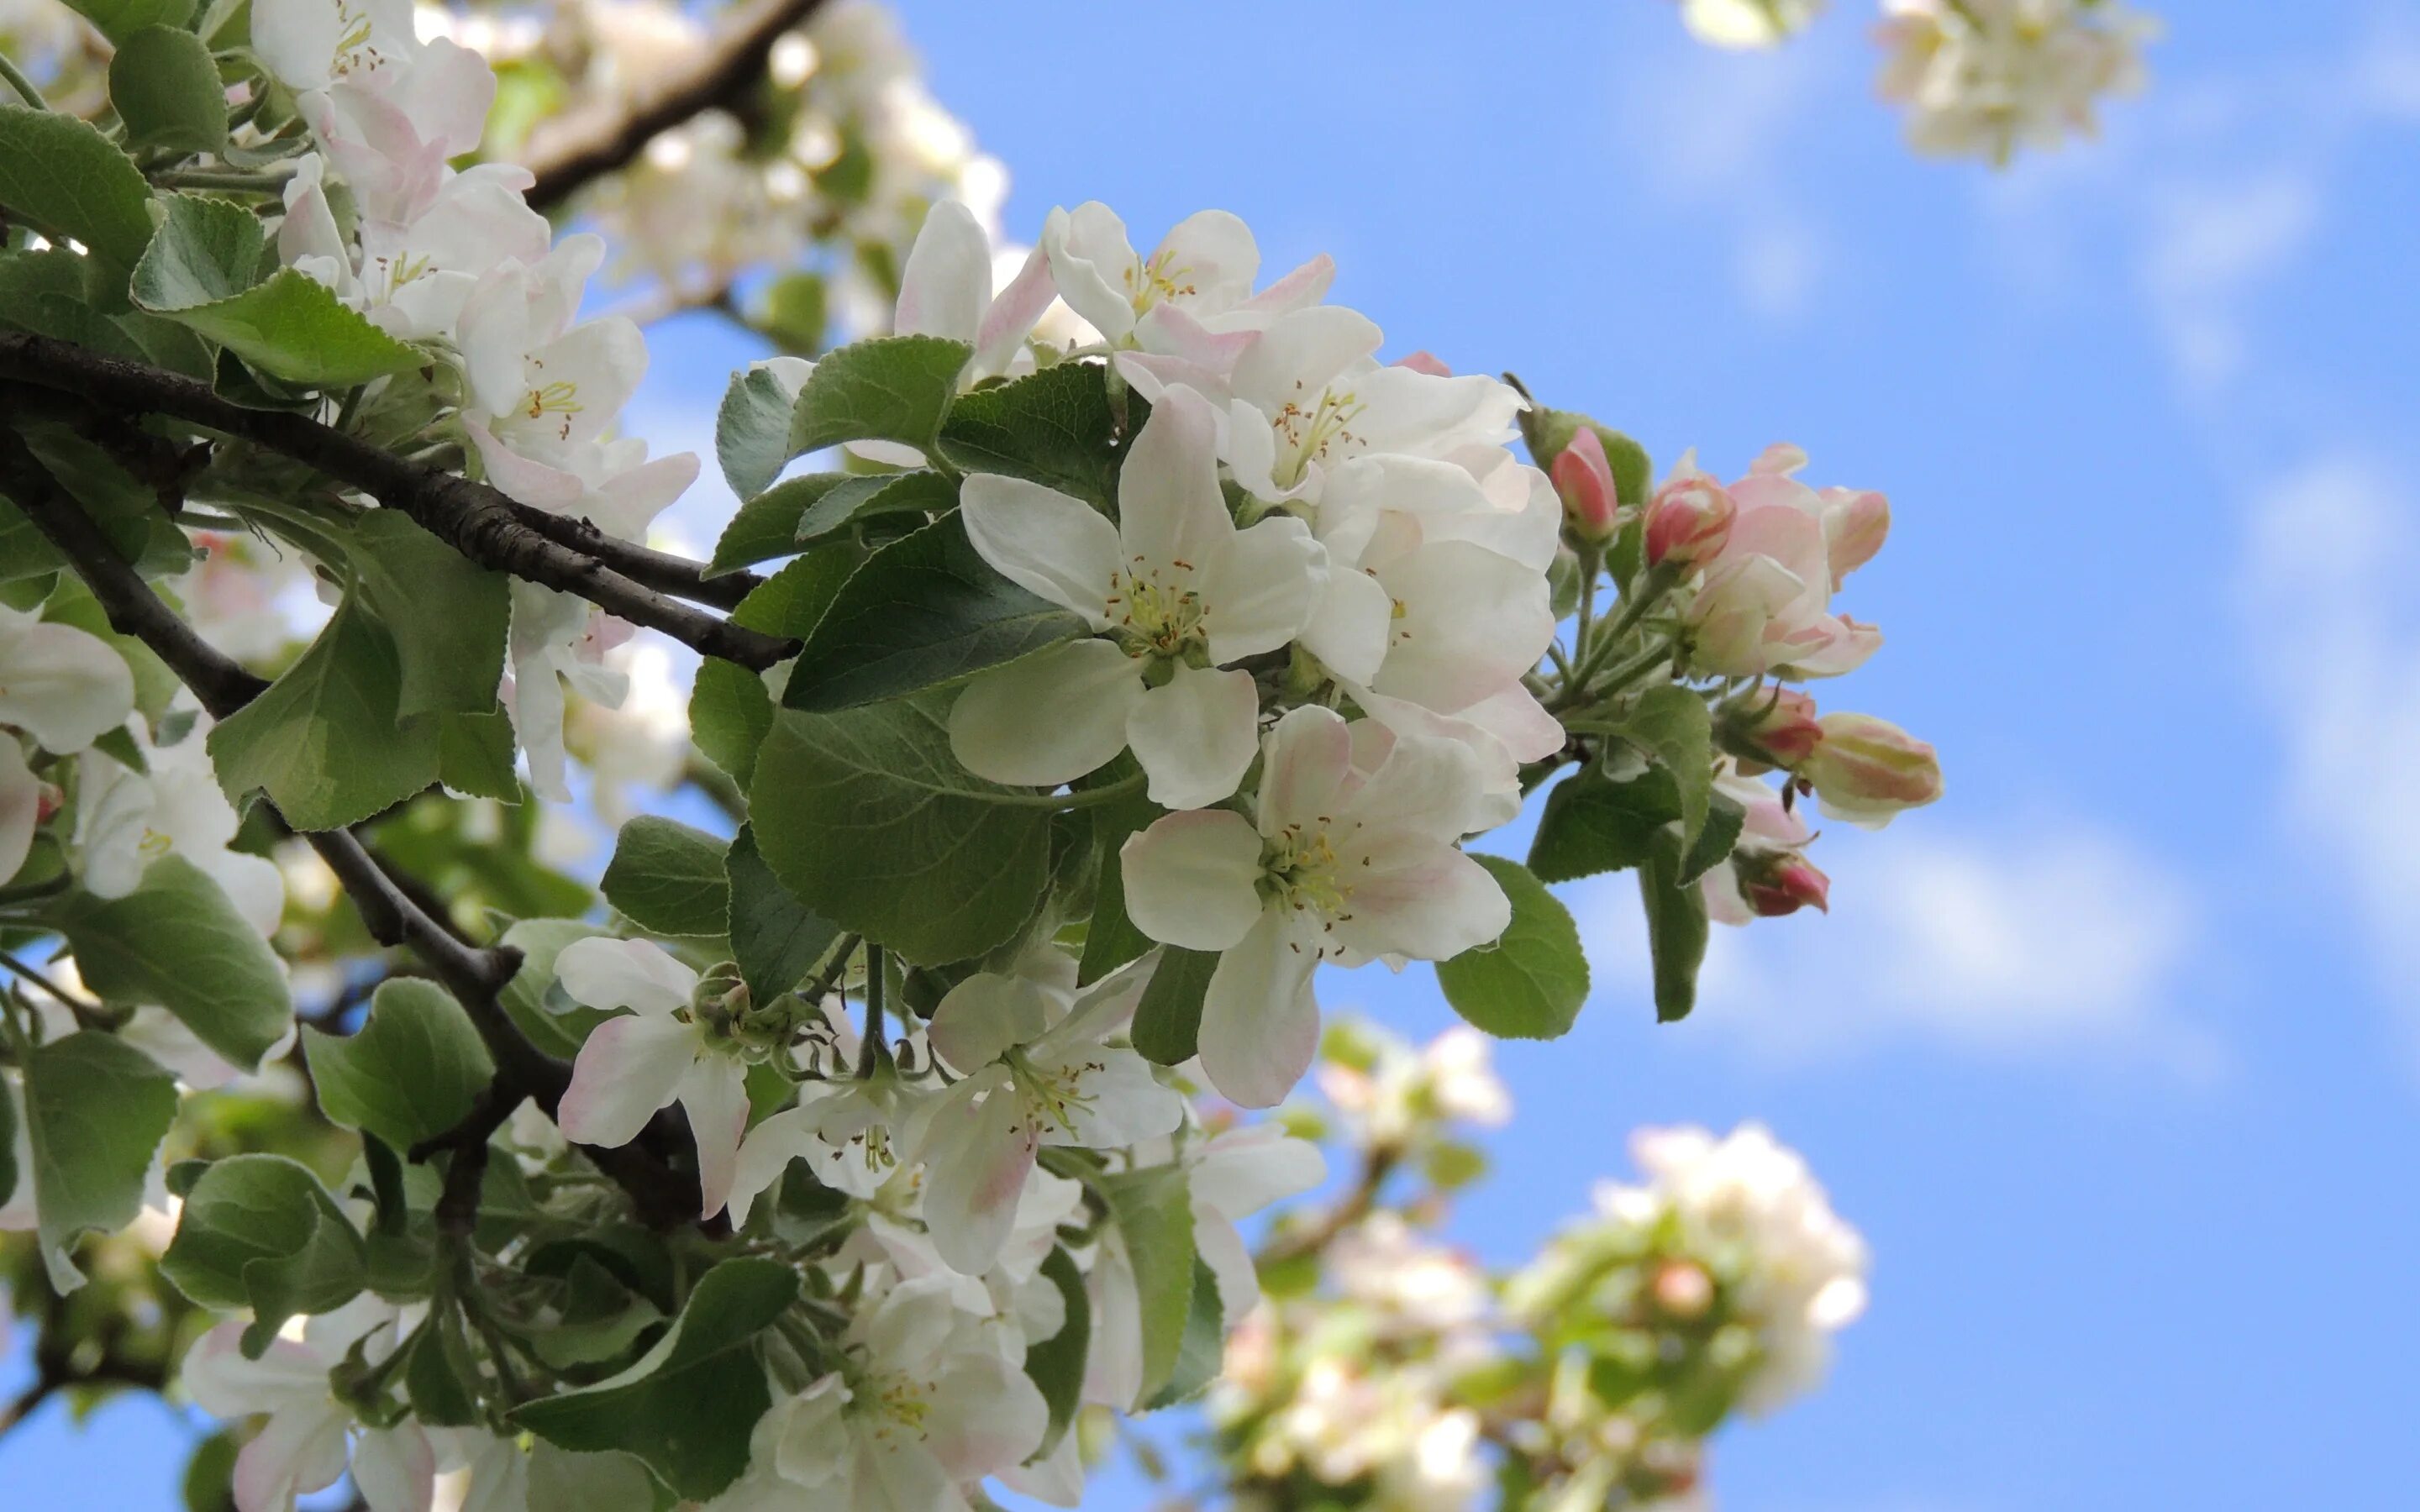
column 470, row 516
column 676, row 576
column 476, row 976
column 585, row 146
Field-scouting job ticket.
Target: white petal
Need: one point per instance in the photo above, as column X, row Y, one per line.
column 984, row 1415
column 1262, row 586
column 1309, row 756
column 984, row 1017
column 1425, row 900
column 946, row 285
column 1222, row 1249
column 1090, row 258
column 603, row 972
column 1050, row 717
column 1043, row 541
column 629, row 1068
column 395, row 1469
column 765, row 1152
column 1349, row 630
column 1121, row 1101
column 1299, row 353
column 1260, row 1025
column 977, row 1151
column 1213, row 252
column 714, row 1094
column 1195, row 735
column 61, row 685
column 1472, row 623
column 300, row 1451
column 1191, row 879
column 1247, row 1168
column 1170, row 510
column 1013, row 314
column 21, row 807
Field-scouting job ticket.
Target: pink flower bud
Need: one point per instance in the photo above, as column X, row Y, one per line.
column 1585, row 480
column 1777, row 729
column 1866, row 769
column 1425, row 361
column 1688, row 521
column 1780, row 883
column 1682, row 1289
column 48, row 797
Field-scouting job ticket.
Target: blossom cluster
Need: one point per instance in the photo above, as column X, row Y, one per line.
column 1389, row 1370
column 1982, row 78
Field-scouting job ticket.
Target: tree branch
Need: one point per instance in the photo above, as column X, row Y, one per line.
column 476, row 976
column 585, row 146
column 472, row 518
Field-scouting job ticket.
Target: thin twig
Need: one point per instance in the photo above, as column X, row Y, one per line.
column 585, row 146
column 472, row 518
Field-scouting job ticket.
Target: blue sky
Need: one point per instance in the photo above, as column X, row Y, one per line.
column 2115, row 1055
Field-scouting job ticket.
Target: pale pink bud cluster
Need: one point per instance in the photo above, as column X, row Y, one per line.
column 1688, row 521
column 1763, row 602
column 1584, row 480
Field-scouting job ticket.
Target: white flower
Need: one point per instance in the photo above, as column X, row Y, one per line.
column 1353, row 857
column 303, row 1448
column 1982, row 77
column 850, row 1130
column 126, row 820
column 1232, row 1177
column 557, row 637
column 1175, row 594
column 657, row 1054
column 59, row 684
column 1034, row 1072
column 946, row 290
column 927, row 1405
column 1197, row 281
column 1748, row 23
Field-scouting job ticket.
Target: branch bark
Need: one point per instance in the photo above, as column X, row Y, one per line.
column 472, row 518
column 584, row 147
column 476, row 976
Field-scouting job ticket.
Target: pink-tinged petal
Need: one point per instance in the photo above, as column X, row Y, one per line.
column 1299, row 289
column 1196, row 735
column 946, row 285
column 1170, row 512
column 1050, row 717
column 985, row 1416
column 1425, row 900
column 1780, row 459
column 1166, row 330
column 603, row 972
column 534, row 483
column 977, row 1150
column 1855, row 523
column 395, row 1469
column 714, row 1094
column 301, row 1450
column 629, row 1068
column 446, row 93
column 20, row 807
column 1309, row 755
column 1152, row 376
column 1584, row 478
column 1260, row 1024
column 1424, row 362
column 1191, row 879
column 1043, row 541
column 1013, row 314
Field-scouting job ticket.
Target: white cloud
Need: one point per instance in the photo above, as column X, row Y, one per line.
column 2044, row 940
column 2334, row 636
column 2207, row 248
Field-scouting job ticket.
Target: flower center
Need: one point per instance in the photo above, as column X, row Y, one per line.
column 1055, row 1094
column 1307, row 429
column 1303, row 870
column 1158, row 615
column 1148, row 282
column 354, row 49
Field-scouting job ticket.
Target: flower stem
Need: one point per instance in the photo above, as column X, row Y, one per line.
column 17, row 81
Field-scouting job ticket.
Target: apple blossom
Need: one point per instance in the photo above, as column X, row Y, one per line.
column 1983, row 77
column 1174, row 593
column 1584, row 480
column 308, row 1440
column 126, row 819
column 1762, row 601
column 667, row 1048
column 1350, row 857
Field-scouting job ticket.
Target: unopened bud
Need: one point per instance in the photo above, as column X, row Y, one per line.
column 1682, row 1289
column 1776, row 729
column 48, row 797
column 1688, row 521
column 1584, row 479
column 1780, row 883
column 720, row 1000
column 1865, row 770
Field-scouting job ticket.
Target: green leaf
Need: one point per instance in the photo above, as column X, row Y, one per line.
column 775, row 939
column 1154, row 1210
column 1725, row 818
column 411, row 1072
column 1677, row 929
column 201, row 271
column 1168, row 1020
column 870, row 821
column 688, row 1406
column 168, row 92
column 1110, row 937
column 794, row 314
column 668, row 878
column 766, row 526
column 208, row 1484
column 872, row 495
column 540, row 941
column 1530, row 983
column 62, row 176
column 1592, row 824
column 128, row 512
column 1054, row 428
column 259, row 1231
column 448, row 614
column 1671, row 725
column 562, row 1481
column 440, row 1377
column 475, row 755
column 925, row 611
column 1202, row 1349
column 326, row 742
column 176, row 941
column 119, row 20
column 96, row 1110
column 751, row 431
column 729, row 709
column 889, row 389
column 1056, row 1365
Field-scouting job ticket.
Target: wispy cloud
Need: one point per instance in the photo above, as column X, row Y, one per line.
column 2207, row 248
column 2044, row 940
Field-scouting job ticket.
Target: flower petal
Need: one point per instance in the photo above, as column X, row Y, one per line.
column 629, row 1068
column 603, row 972
column 714, row 1094
column 61, row 685
column 977, row 1151
column 1043, row 541
column 1260, row 1024
column 1191, row 879
column 984, row 1017
column 20, row 807
column 1196, row 735
column 1262, row 587
column 1309, row 755
column 1046, row 718
column 1170, row 507
column 946, row 285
